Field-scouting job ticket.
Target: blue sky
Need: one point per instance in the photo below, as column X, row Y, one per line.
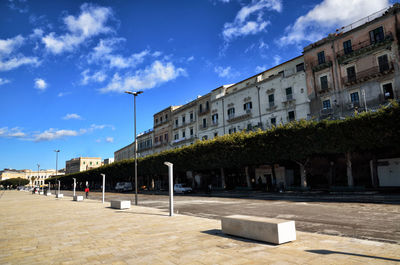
column 65, row 64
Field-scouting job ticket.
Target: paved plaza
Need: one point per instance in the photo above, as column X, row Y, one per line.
column 37, row 229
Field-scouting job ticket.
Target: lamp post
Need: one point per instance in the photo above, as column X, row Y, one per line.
column 57, row 151
column 135, row 94
column 38, row 172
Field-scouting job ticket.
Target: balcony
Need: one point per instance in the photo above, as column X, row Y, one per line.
column 214, row 123
column 160, row 123
column 363, row 48
column 203, row 111
column 202, row 127
column 183, row 140
column 368, row 74
column 271, row 106
column 326, row 111
column 317, row 66
column 232, row 118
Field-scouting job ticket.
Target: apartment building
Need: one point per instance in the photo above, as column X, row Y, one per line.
column 35, row 178
column 145, row 143
column 276, row 96
column 163, row 129
column 356, row 68
column 82, row 164
column 126, row 152
column 185, row 124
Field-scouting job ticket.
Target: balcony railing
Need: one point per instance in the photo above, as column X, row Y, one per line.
column 204, row 111
column 362, row 48
column 368, row 74
column 232, row 118
column 318, row 66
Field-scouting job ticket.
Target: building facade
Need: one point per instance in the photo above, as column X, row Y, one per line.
column 126, row 152
column 82, row 164
column 145, row 143
column 163, row 129
column 355, row 69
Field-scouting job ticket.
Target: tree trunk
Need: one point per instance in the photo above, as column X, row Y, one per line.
column 246, row 169
column 374, row 172
column 350, row 180
column 303, row 179
column 222, row 178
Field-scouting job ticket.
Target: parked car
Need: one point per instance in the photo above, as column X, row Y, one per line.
column 182, row 188
column 123, row 186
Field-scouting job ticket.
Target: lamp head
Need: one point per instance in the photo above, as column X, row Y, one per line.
column 134, row 93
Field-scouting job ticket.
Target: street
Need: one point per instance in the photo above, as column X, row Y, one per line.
column 372, row 221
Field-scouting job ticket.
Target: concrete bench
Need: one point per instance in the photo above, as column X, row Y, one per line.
column 41, row 192
column 59, row 195
column 48, row 194
column 270, row 230
column 121, row 204
column 78, row 198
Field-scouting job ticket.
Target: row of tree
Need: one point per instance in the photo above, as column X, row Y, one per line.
column 372, row 132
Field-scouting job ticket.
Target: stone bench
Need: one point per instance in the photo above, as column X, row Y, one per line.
column 121, row 204
column 78, row 198
column 270, row 230
column 41, row 192
column 59, row 195
column 48, row 194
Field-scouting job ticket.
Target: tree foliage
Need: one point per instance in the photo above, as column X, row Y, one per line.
column 296, row 141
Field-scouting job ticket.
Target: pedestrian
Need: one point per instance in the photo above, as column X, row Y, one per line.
column 87, row 192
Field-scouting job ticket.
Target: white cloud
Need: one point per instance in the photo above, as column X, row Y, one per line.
column 4, row 81
column 40, row 84
column 11, row 133
column 103, row 53
column 90, row 22
column 62, row 94
column 53, row 134
column 191, row 58
column 243, row 25
column 8, row 59
column 277, row 59
column 225, row 72
column 19, row 5
column 152, row 76
column 109, row 139
column 261, row 68
column 97, row 77
column 71, row 116
column 329, row 13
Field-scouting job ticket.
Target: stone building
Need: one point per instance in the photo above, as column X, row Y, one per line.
column 82, row 164
column 356, row 68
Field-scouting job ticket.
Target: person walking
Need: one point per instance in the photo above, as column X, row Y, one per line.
column 87, row 192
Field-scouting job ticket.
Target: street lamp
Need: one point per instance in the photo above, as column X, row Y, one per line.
column 57, row 151
column 38, row 172
column 135, row 94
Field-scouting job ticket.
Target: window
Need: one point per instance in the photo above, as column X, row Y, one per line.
column 354, row 97
column 383, row 63
column 160, row 138
column 176, row 122
column 247, row 106
column 97, row 163
column 321, row 57
column 90, row 163
column 249, row 127
column 291, row 115
column 215, row 134
column 300, row 67
column 376, row 35
column 351, row 74
column 388, row 91
column 166, row 117
column 201, row 108
column 191, row 117
column 273, row 121
column 231, row 113
column 289, row 95
column 183, row 134
column 156, row 121
column 271, row 100
column 326, row 104
column 183, row 119
column 215, row 119
column 176, row 136
column 166, row 137
column 347, row 47
column 156, row 139
column 207, row 106
column 160, row 119
column 191, row 131
column 282, row 73
column 204, row 123
column 232, row 130
column 84, row 162
column 204, row 137
column 324, row 82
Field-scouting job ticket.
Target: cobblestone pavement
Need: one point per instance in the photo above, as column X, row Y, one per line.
column 373, row 221
column 37, row 229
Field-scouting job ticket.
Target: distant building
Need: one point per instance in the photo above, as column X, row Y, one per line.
column 108, row 161
column 82, row 164
column 36, row 178
column 126, row 152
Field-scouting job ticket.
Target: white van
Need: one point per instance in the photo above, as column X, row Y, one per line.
column 123, row 186
column 182, row 188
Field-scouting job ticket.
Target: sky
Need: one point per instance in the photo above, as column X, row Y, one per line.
column 64, row 65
